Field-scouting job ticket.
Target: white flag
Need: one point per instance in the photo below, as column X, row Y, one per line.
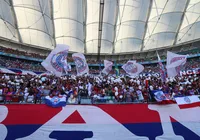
column 187, row 100
column 107, row 67
column 81, row 64
column 174, row 63
column 67, row 68
column 132, row 68
column 162, row 69
column 56, row 60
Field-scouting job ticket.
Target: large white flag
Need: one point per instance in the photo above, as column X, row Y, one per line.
column 132, row 68
column 57, row 60
column 107, row 67
column 174, row 63
column 81, row 64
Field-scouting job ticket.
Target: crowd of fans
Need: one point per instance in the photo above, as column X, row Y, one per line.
column 93, row 89
column 21, row 53
column 89, row 61
column 9, row 62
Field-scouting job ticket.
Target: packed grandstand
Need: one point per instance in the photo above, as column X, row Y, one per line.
column 92, row 88
column 100, row 69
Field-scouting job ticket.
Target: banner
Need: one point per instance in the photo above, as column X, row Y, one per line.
column 57, row 60
column 190, row 72
column 99, row 122
column 81, row 64
column 55, row 101
column 174, row 63
column 4, row 70
column 132, row 68
column 187, row 100
column 107, row 67
column 162, row 69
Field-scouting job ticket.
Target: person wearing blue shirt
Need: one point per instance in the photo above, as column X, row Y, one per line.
column 38, row 95
column 20, row 95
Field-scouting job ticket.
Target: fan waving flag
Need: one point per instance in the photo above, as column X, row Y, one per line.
column 55, row 101
column 81, row 64
column 161, row 97
column 57, row 60
column 107, row 67
column 162, row 69
column 132, row 68
column 174, row 63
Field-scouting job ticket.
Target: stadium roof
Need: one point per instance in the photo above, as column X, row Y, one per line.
column 127, row 25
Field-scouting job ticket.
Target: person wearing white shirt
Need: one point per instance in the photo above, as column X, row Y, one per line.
column 89, row 88
column 140, row 96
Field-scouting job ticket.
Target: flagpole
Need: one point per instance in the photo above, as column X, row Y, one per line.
column 162, row 69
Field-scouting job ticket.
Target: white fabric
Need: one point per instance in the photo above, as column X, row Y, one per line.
column 132, row 68
column 53, row 64
column 4, row 70
column 107, row 67
column 81, row 64
column 187, row 99
column 69, row 23
column 174, row 61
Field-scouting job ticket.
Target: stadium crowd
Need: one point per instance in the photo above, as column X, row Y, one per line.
column 94, row 89
column 89, row 61
column 15, row 63
column 9, row 62
column 21, row 53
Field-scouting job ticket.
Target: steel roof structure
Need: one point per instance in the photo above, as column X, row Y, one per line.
column 126, row 25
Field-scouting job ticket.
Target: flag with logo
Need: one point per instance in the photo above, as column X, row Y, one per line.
column 132, row 68
column 81, row 64
column 56, row 60
column 162, row 69
column 55, row 101
column 175, row 63
column 68, row 68
column 188, row 100
column 161, row 97
column 107, row 67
